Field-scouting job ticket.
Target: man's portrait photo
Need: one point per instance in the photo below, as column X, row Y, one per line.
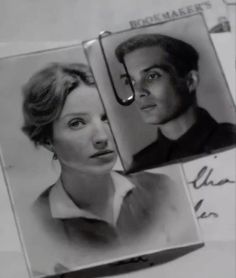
column 178, row 91
column 163, row 72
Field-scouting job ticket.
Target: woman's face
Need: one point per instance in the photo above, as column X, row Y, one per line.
column 82, row 138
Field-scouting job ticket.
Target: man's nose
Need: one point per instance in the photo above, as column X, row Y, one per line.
column 141, row 90
column 100, row 136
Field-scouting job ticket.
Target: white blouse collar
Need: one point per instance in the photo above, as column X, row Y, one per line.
column 63, row 207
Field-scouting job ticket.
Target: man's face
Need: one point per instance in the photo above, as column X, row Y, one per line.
column 161, row 94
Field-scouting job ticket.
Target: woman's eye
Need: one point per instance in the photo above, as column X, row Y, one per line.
column 76, row 123
column 152, row 76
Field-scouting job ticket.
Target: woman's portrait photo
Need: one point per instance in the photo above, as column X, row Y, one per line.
column 74, row 205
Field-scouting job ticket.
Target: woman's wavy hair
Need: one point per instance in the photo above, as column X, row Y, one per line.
column 44, row 96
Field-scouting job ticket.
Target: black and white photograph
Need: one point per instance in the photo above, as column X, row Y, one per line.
column 165, row 93
column 74, row 205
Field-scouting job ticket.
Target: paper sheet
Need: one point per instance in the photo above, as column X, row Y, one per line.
column 212, row 183
column 216, row 201
column 59, row 20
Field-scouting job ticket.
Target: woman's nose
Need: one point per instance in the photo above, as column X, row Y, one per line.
column 100, row 136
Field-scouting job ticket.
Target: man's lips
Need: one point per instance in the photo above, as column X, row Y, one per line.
column 102, row 153
column 147, row 107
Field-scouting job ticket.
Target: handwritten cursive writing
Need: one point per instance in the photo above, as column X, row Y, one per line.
column 204, row 178
column 203, row 214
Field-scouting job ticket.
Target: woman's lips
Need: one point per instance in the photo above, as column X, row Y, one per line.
column 102, row 153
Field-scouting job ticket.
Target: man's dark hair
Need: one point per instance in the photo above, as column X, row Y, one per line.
column 181, row 54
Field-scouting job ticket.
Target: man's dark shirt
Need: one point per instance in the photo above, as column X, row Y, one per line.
column 203, row 137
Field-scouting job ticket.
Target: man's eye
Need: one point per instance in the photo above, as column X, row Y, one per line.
column 152, row 76
column 104, row 118
column 76, row 123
